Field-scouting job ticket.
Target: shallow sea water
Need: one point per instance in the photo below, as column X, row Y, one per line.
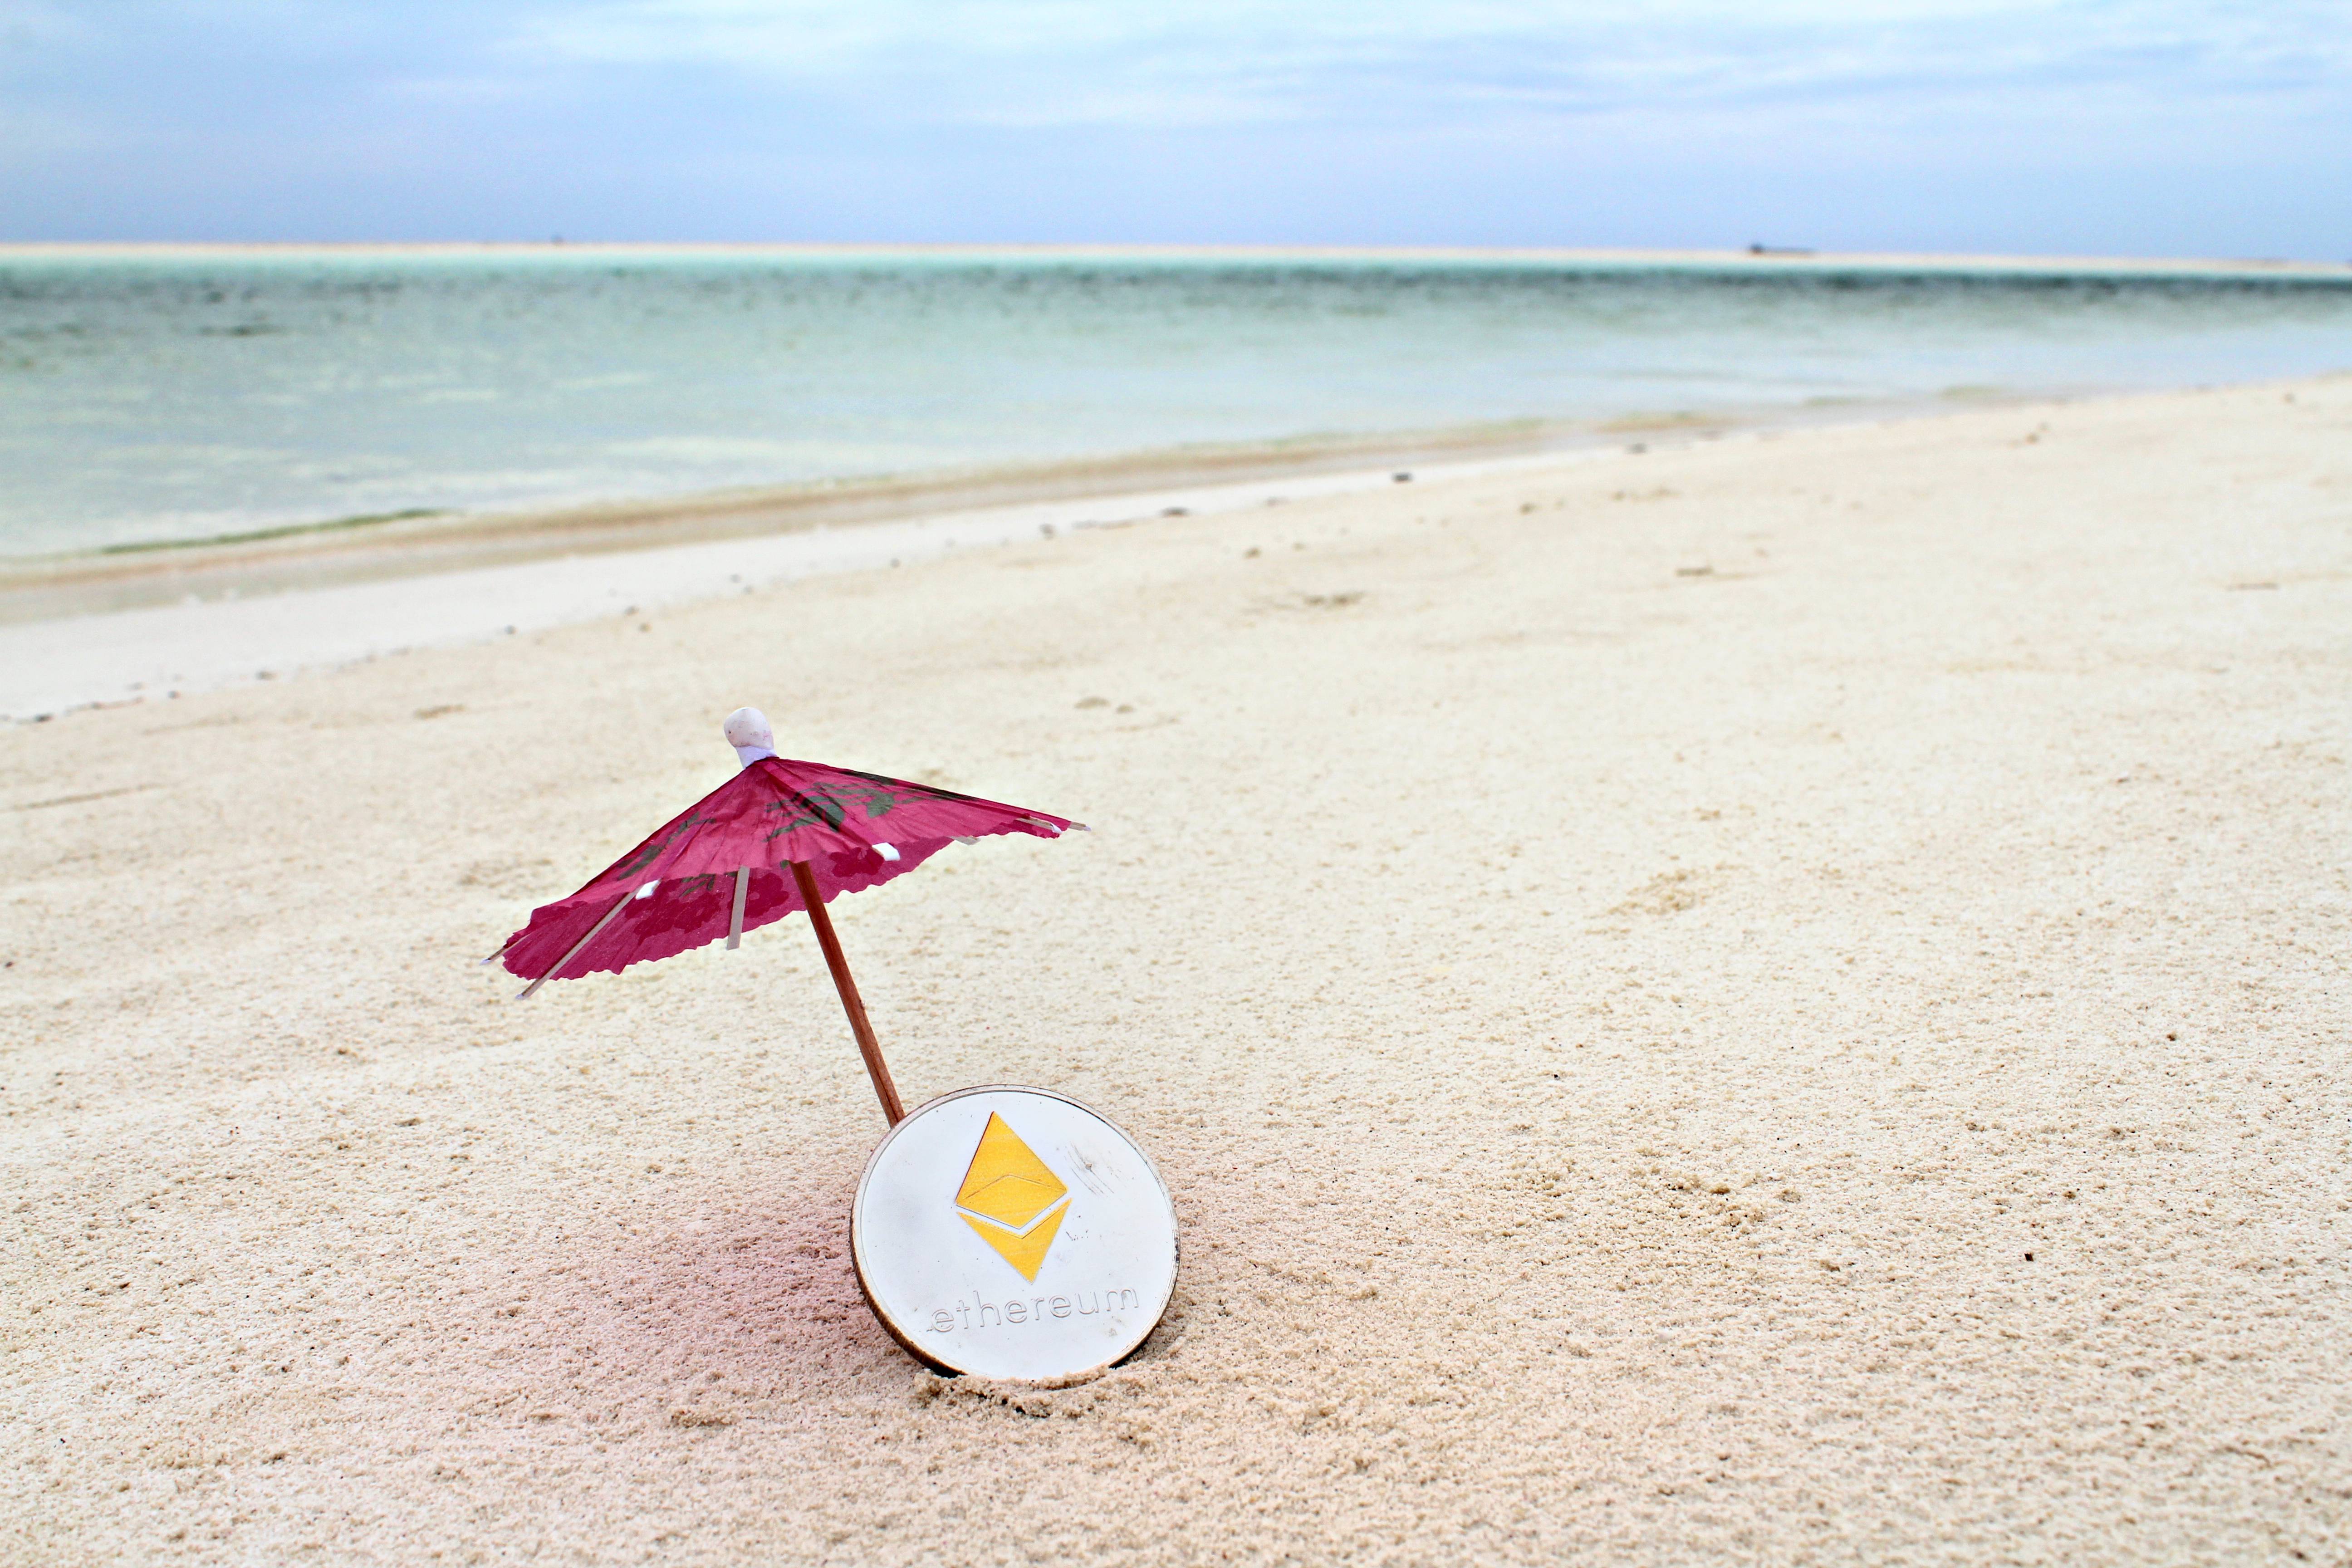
column 180, row 397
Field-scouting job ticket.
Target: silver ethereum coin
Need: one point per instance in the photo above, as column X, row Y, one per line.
column 1014, row 1232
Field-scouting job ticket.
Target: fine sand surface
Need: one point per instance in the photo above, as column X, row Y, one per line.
column 1774, row 1001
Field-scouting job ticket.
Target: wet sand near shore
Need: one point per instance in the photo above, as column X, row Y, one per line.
column 1777, row 999
column 417, row 544
column 377, row 549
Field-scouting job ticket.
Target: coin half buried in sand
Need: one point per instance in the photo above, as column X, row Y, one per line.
column 1014, row 1232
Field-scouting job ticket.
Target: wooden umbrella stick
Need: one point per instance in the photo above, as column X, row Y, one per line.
column 867, row 1047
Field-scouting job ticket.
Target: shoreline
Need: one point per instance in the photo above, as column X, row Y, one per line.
column 422, row 541
column 407, row 600
column 106, row 630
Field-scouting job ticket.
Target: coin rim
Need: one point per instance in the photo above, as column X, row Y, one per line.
column 857, row 1250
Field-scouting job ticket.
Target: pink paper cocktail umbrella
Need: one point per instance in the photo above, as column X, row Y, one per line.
column 780, row 835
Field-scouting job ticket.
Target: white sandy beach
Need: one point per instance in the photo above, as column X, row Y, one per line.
column 1777, row 1001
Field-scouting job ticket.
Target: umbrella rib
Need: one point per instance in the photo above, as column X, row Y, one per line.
column 610, row 915
column 735, row 925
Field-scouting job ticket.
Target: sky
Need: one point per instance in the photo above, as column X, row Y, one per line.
column 2106, row 127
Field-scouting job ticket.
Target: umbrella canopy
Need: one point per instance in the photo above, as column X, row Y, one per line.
column 725, row 866
column 778, row 837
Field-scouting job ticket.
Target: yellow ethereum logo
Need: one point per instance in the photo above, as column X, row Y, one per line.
column 1011, row 1198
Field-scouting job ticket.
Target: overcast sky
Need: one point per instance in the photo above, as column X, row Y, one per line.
column 2141, row 126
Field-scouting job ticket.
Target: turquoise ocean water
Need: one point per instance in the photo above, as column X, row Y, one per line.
column 167, row 396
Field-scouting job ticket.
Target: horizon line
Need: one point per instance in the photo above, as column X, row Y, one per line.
column 1752, row 254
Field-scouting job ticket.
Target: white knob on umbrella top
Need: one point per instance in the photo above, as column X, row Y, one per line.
column 749, row 732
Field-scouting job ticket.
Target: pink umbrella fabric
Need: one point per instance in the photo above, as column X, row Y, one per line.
column 725, row 866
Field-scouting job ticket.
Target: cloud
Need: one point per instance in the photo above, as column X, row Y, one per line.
column 1535, row 120
column 1045, row 62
